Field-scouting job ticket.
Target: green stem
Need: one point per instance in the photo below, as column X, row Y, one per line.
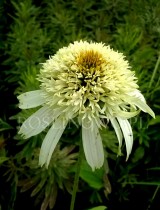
column 76, row 178
column 153, row 197
column 154, row 71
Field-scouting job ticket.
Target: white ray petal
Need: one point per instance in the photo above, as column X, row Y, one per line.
column 128, row 135
column 117, row 130
column 37, row 122
column 138, row 94
column 127, row 115
column 51, row 140
column 144, row 107
column 92, row 144
column 31, row 99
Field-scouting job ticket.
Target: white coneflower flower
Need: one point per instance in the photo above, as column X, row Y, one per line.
column 88, row 81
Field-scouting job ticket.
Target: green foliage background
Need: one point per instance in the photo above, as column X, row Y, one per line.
column 31, row 31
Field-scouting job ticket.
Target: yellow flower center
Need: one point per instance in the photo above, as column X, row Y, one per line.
column 88, row 60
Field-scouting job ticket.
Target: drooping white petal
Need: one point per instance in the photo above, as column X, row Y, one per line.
column 126, row 114
column 138, row 94
column 51, row 140
column 144, row 107
column 37, row 122
column 127, row 133
column 92, row 144
column 31, row 99
column 117, row 130
column 140, row 102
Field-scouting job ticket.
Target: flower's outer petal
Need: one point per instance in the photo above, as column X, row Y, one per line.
column 37, row 122
column 31, row 99
column 92, row 144
column 137, row 94
column 51, row 140
column 140, row 102
column 117, row 130
column 127, row 115
column 128, row 135
column 144, row 107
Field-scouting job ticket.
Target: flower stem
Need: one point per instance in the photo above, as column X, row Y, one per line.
column 154, row 71
column 76, row 178
column 153, row 197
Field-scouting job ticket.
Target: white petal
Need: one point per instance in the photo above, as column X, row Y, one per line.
column 50, row 141
column 138, row 94
column 140, row 102
column 128, row 135
column 31, row 99
column 127, row 115
column 144, row 107
column 117, row 130
column 37, row 122
column 92, row 144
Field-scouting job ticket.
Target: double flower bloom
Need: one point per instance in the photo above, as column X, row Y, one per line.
column 88, row 81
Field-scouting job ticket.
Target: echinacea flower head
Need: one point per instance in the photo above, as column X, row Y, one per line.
column 88, row 81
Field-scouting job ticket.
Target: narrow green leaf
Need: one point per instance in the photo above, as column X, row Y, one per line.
column 154, row 121
column 99, row 208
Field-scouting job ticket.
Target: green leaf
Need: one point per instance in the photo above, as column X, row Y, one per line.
column 4, row 125
column 3, row 159
column 93, row 178
column 99, row 208
column 139, row 153
column 154, row 121
column 155, row 169
column 145, row 183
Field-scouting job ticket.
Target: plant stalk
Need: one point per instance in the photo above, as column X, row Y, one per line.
column 76, row 178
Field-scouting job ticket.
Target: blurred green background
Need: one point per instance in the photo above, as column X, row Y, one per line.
column 31, row 31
